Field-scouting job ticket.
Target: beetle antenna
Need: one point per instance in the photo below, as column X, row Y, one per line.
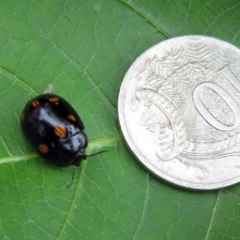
column 73, row 175
column 96, row 153
column 74, row 167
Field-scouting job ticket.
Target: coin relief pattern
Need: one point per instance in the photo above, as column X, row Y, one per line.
column 189, row 100
column 198, row 87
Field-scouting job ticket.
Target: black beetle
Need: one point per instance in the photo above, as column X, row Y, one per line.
column 54, row 129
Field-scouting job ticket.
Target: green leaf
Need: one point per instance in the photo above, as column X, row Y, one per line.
column 84, row 48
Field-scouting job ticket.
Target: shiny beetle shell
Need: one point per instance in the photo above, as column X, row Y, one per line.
column 54, row 129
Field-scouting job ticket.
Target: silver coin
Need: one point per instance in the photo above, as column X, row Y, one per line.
column 179, row 111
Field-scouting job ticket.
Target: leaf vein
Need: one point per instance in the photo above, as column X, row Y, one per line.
column 18, row 80
column 213, row 215
column 147, row 18
column 78, row 65
column 144, row 208
column 71, row 208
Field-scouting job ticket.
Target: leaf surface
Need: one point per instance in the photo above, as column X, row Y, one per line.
column 85, row 48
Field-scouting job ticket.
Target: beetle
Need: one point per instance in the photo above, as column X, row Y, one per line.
column 55, row 130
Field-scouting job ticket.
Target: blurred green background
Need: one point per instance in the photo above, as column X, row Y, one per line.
column 85, row 48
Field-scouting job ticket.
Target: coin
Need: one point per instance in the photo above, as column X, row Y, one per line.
column 179, row 111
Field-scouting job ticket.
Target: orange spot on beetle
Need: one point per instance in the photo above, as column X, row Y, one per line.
column 43, row 148
column 71, row 117
column 60, row 131
column 35, row 103
column 53, row 99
